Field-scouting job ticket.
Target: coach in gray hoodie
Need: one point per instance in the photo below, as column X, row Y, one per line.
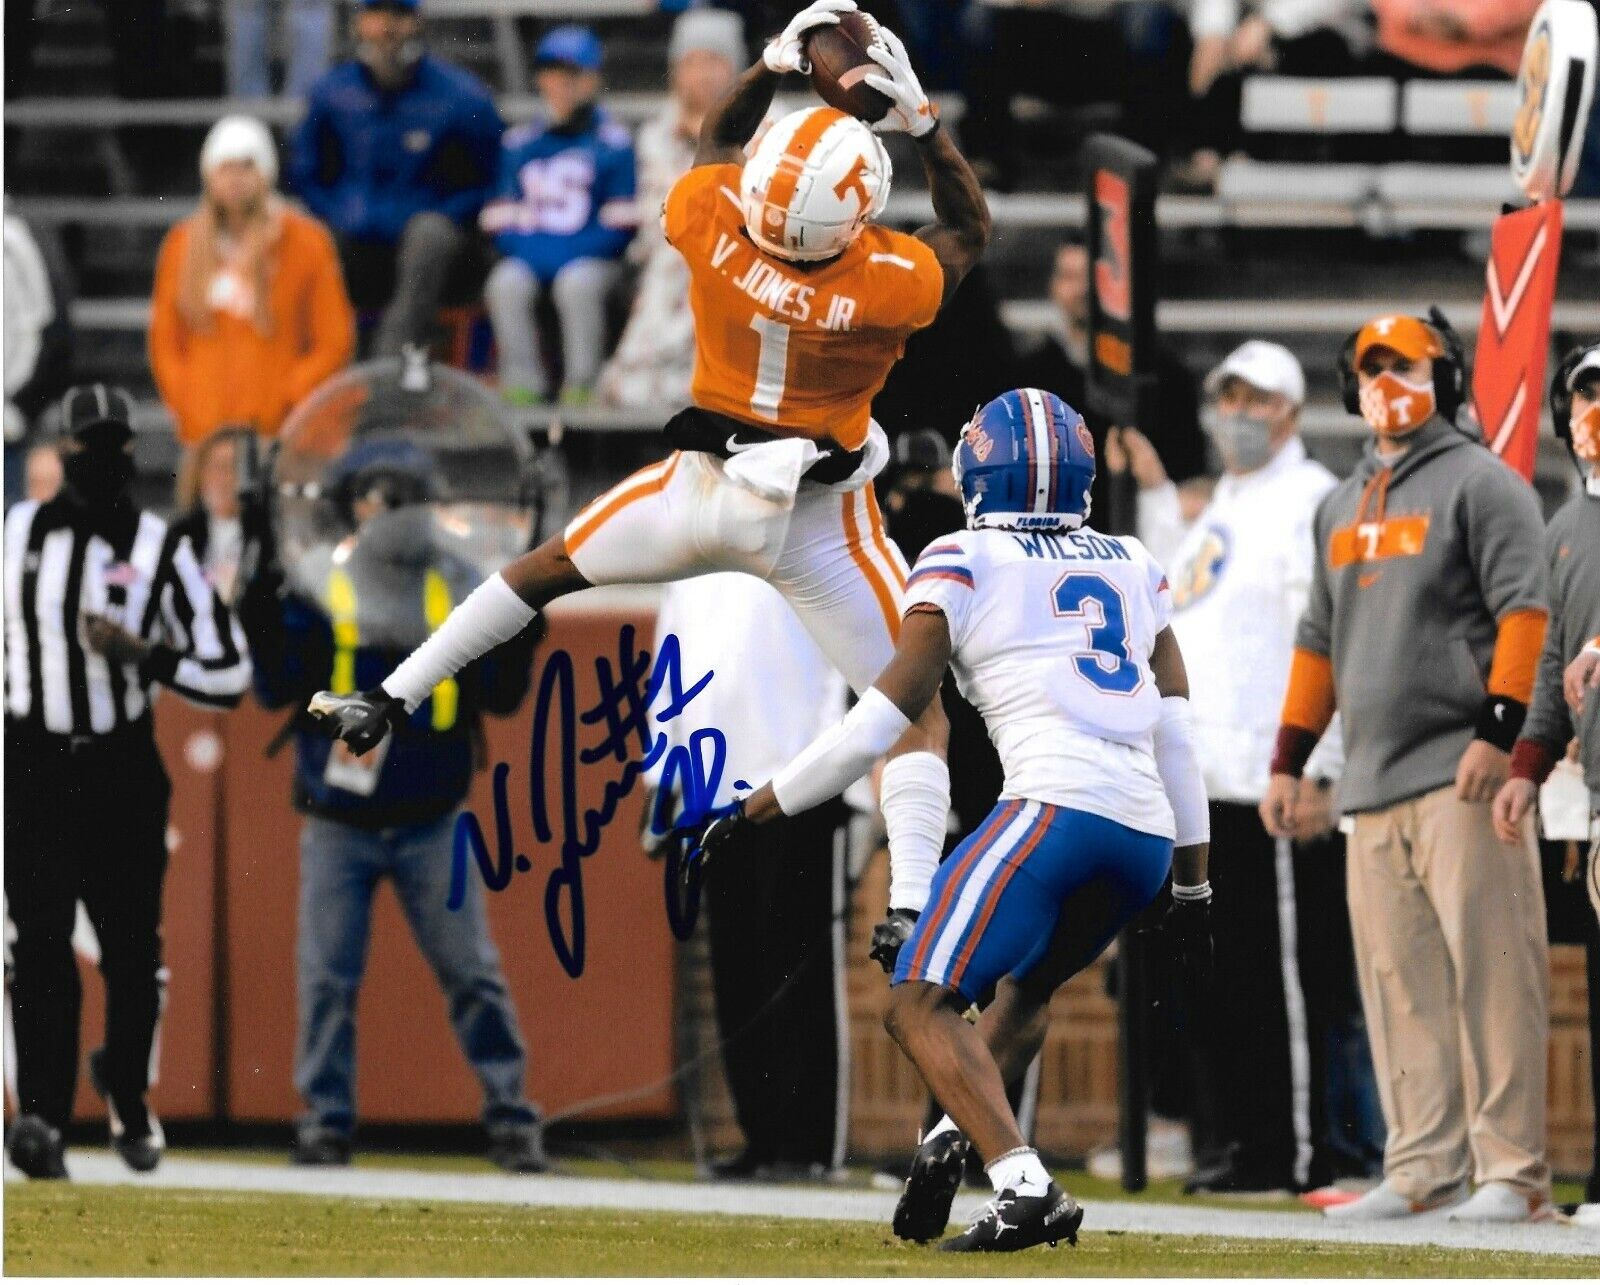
column 1423, row 629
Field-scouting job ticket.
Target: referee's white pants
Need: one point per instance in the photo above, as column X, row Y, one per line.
column 828, row 555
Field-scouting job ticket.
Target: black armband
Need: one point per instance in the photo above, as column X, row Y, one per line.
column 1499, row 721
column 160, row 666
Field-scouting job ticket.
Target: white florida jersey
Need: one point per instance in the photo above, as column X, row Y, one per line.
column 1051, row 634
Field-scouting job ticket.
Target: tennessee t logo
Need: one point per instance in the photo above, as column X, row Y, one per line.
column 852, row 182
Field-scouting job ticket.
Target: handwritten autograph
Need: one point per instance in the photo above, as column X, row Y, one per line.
column 624, row 712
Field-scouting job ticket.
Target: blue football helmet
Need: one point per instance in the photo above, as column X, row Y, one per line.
column 1025, row 462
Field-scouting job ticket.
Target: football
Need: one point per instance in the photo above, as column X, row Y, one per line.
column 839, row 66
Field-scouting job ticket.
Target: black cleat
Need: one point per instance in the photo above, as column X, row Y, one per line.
column 36, row 1148
column 1011, row 1222
column 135, row 1132
column 924, row 1209
column 317, row 1147
column 518, row 1148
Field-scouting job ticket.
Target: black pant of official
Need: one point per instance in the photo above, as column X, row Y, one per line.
column 85, row 820
column 1260, row 1088
column 776, row 904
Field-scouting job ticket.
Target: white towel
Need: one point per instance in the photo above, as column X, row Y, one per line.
column 773, row 469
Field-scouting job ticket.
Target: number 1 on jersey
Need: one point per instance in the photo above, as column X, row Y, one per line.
column 772, row 366
column 1094, row 600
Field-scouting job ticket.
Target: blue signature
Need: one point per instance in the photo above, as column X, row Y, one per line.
column 691, row 772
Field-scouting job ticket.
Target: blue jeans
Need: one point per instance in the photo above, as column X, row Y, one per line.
column 308, row 30
column 340, row 866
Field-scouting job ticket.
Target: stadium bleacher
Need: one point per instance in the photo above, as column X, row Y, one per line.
column 1402, row 179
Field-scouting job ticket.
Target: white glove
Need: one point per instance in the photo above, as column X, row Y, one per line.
column 787, row 52
column 910, row 111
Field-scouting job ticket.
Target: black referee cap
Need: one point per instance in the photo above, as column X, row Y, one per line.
column 98, row 414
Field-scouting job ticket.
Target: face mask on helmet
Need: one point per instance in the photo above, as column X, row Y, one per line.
column 1243, row 441
column 1393, row 406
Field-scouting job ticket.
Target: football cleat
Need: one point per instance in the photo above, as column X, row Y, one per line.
column 360, row 720
column 36, row 1148
column 1010, row 1222
column 135, row 1132
column 923, row 1211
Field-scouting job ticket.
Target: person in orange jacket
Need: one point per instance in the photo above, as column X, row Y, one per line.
column 249, row 312
column 1451, row 36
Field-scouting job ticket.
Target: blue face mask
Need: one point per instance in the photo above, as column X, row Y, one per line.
column 1243, row 441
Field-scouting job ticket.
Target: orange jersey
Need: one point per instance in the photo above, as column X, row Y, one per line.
column 799, row 350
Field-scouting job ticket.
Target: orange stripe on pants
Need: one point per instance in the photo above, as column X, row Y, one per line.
column 875, row 516
column 644, row 482
column 880, row 587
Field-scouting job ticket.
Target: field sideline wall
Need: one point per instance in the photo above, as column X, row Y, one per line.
column 642, row 1005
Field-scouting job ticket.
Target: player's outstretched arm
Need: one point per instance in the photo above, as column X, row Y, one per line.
column 962, row 223
column 733, row 122
column 844, row 753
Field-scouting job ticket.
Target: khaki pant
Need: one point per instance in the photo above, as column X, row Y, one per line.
column 1453, row 962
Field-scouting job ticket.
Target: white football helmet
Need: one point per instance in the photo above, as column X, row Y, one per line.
column 813, row 183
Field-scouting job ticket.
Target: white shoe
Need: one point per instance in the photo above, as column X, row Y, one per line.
column 1586, row 1216
column 1384, row 1202
column 1500, row 1202
column 1167, row 1153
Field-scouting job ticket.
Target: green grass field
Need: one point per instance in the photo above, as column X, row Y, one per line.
column 64, row 1230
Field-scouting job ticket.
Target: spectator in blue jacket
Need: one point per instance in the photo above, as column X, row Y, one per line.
column 562, row 216
column 349, row 613
column 396, row 155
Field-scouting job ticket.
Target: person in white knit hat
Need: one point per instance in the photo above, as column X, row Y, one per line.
column 654, row 360
column 249, row 311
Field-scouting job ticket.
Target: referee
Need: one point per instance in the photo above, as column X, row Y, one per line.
column 101, row 602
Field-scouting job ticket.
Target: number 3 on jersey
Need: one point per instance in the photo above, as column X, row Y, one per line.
column 1092, row 599
column 772, row 367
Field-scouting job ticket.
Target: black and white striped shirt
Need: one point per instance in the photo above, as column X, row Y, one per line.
column 63, row 562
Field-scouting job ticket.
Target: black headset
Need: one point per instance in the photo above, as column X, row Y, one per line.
column 1449, row 369
column 1561, row 395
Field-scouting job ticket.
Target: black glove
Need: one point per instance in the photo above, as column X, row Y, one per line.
column 890, row 935
column 360, row 721
column 710, row 837
column 1186, row 933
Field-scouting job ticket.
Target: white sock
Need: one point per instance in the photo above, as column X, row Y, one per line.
column 1020, row 1171
column 488, row 616
column 914, row 794
column 945, row 1125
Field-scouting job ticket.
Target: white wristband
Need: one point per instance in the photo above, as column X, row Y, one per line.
column 1192, row 891
column 488, row 616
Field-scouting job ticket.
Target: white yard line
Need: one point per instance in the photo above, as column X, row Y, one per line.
column 555, row 1192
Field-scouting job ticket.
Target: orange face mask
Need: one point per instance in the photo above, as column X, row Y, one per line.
column 1393, row 406
column 1586, row 435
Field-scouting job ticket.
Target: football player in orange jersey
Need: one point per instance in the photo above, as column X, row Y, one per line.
column 801, row 306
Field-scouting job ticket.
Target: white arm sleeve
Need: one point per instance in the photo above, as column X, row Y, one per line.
column 1180, row 773
column 837, row 757
column 488, row 616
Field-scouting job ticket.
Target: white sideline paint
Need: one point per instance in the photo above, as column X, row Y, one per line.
column 96, row 1168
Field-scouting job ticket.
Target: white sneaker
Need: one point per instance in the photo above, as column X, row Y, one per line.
column 1384, row 1202
column 1167, row 1153
column 1500, row 1202
column 1586, row 1216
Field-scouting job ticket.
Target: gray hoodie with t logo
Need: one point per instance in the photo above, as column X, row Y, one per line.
column 1417, row 560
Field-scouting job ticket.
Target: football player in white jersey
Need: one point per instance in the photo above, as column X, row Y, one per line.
column 1060, row 637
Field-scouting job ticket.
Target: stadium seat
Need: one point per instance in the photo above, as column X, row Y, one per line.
column 1295, row 105
column 1454, row 107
